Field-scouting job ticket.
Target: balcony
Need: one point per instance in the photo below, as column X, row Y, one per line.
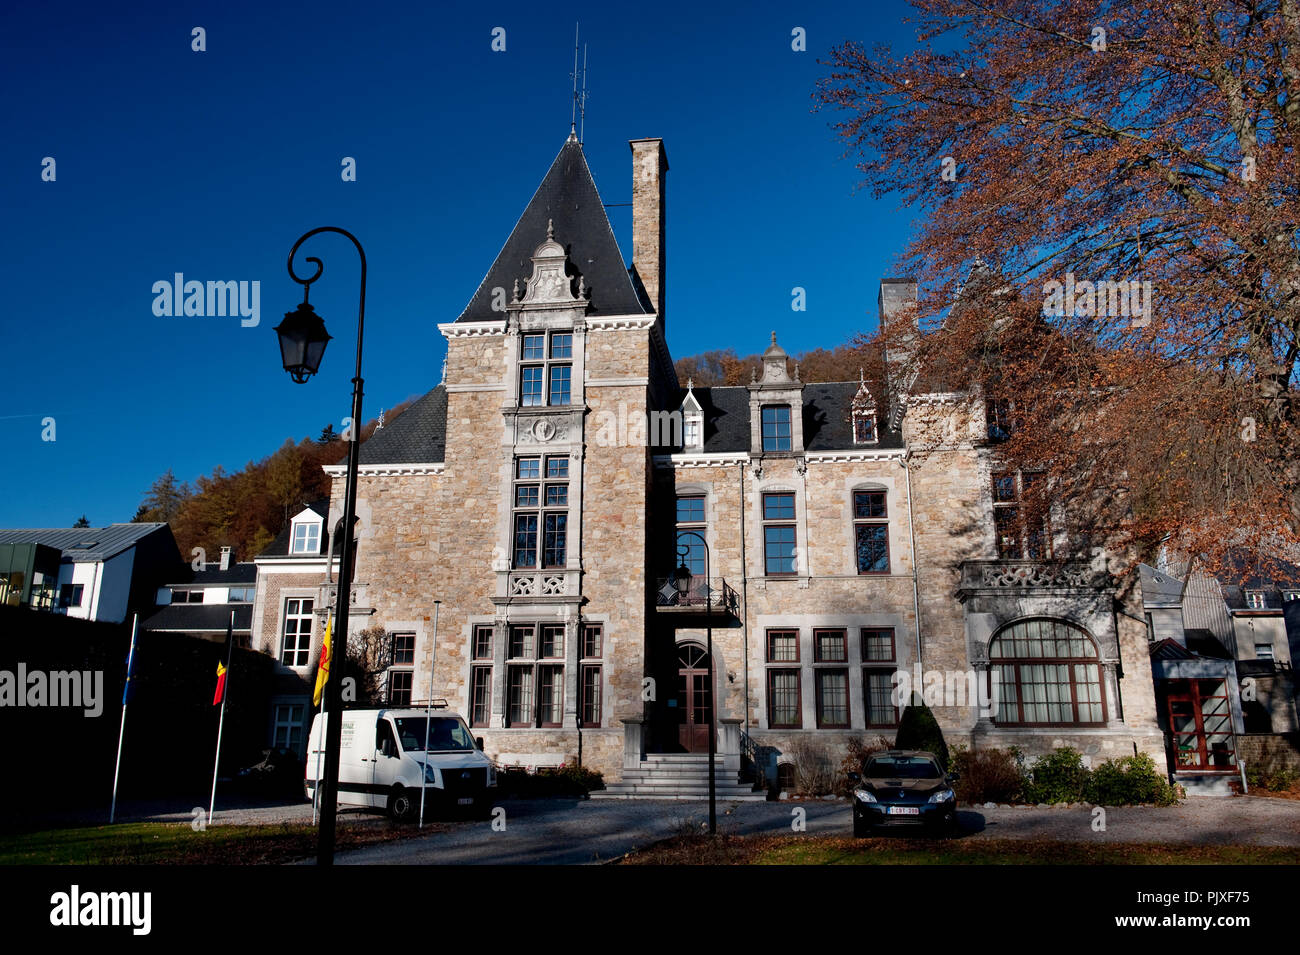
column 711, row 596
column 1033, row 576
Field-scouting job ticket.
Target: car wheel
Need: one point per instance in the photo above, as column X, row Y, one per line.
column 400, row 805
column 861, row 828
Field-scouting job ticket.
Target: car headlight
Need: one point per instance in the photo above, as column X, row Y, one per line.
column 865, row 796
column 943, row 795
column 429, row 775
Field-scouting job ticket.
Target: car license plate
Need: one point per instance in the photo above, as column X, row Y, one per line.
column 904, row 811
column 465, row 801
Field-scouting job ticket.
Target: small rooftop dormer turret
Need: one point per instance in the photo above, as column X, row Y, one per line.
column 776, row 406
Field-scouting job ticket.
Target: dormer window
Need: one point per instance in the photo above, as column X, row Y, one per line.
column 864, row 427
column 306, row 534
column 1255, row 599
column 776, row 428
column 692, row 420
column 864, row 414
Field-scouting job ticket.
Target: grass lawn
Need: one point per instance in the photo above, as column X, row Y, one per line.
column 151, row 843
column 826, row 850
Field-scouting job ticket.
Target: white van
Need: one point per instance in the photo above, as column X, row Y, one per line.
column 383, row 762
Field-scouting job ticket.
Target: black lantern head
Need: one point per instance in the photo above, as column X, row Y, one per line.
column 682, row 579
column 302, row 341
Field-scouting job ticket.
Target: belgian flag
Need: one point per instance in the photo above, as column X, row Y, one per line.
column 223, row 665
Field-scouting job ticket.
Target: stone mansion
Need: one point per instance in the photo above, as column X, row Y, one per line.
column 825, row 553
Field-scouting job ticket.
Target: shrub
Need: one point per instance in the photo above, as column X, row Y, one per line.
column 859, row 748
column 1271, row 776
column 1129, row 780
column 918, row 729
column 565, row 780
column 987, row 775
column 815, row 773
column 1060, row 776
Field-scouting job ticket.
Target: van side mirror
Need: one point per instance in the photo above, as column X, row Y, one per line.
column 478, row 742
column 854, row 778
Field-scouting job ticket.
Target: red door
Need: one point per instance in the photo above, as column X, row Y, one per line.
column 694, row 699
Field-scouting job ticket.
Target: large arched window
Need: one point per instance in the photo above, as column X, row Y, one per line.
column 1046, row 673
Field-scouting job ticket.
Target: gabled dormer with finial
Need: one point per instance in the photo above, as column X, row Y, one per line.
column 865, row 420
column 776, row 406
column 692, row 420
column 551, row 285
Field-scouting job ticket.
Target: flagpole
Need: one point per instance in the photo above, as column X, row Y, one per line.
column 428, row 709
column 221, row 721
column 320, row 740
column 121, row 731
column 320, row 745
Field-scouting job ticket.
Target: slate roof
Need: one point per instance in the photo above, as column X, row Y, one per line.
column 206, row 618
column 1160, row 589
column 827, row 418
column 567, row 196
column 105, row 542
column 244, row 572
column 416, row 436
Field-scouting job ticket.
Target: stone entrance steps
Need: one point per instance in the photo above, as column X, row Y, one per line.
column 678, row 776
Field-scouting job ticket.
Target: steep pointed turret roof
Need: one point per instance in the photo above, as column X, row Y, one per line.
column 568, row 198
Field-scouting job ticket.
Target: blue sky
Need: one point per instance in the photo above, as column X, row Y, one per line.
column 212, row 163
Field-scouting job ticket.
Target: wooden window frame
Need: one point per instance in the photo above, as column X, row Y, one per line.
column 781, row 631
column 585, row 702
column 818, row 674
column 474, row 699
column 587, row 630
column 479, row 651
column 867, row 672
column 867, row 659
column 873, row 521
column 844, row 645
column 1069, row 662
column 772, row 672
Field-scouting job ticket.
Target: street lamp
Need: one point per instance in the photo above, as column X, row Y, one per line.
column 682, row 581
column 302, row 345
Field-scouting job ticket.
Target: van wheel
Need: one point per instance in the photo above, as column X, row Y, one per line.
column 400, row 805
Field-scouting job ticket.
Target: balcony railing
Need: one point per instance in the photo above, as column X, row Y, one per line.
column 1037, row 575
column 703, row 596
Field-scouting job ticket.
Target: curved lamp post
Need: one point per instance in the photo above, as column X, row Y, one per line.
column 302, row 345
column 682, row 582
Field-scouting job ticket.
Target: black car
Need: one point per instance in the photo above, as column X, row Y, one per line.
column 903, row 788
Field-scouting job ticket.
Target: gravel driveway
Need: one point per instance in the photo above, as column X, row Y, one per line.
column 578, row 832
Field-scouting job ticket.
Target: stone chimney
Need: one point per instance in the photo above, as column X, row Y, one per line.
column 225, row 558
column 899, row 325
column 649, row 219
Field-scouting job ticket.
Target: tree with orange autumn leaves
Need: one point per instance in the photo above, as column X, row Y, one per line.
column 1068, row 158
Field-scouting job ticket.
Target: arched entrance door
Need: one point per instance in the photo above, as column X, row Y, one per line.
column 694, row 698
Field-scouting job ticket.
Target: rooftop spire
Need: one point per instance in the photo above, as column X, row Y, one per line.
column 579, row 114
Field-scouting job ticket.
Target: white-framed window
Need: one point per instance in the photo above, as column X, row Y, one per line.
column 1255, row 599
column 306, row 538
column 295, row 642
column 864, row 427
column 1289, row 595
column 287, row 730
column 1264, row 651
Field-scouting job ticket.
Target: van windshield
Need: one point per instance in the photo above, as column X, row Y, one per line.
column 445, row 734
